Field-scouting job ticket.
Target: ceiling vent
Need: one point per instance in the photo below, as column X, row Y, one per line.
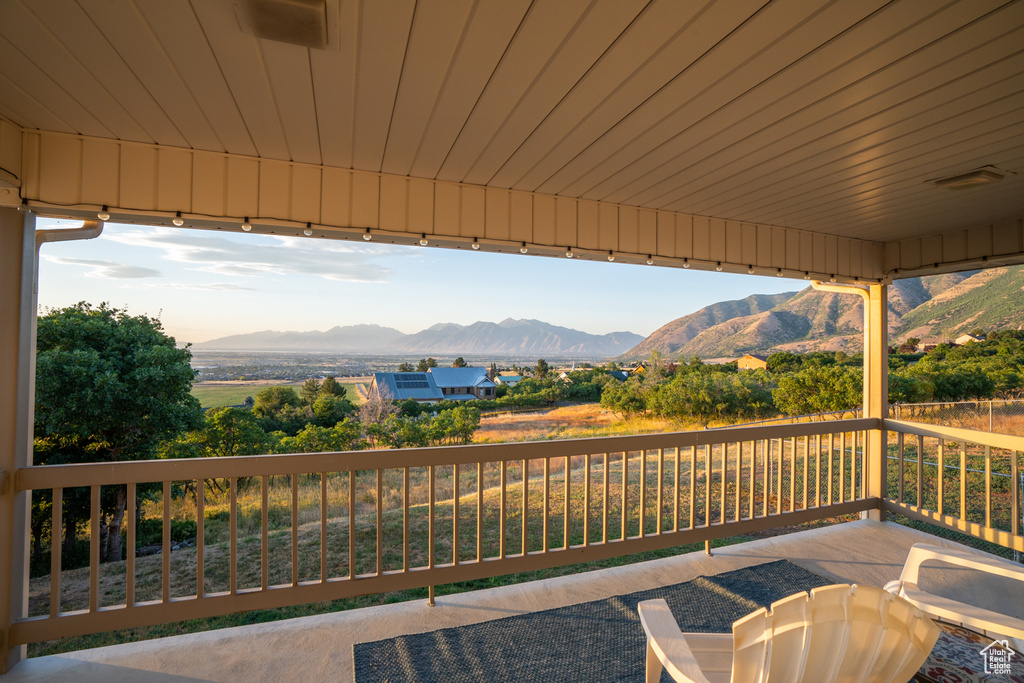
column 982, row 176
column 297, row 22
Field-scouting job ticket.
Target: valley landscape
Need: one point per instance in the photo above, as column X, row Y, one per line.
column 932, row 309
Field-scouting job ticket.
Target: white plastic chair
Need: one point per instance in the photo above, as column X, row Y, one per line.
column 840, row 632
column 947, row 609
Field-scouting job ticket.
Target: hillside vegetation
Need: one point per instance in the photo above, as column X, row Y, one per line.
column 932, row 309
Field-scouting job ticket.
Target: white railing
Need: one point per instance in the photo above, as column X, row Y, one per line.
column 378, row 521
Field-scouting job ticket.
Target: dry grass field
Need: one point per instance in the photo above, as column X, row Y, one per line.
column 567, row 422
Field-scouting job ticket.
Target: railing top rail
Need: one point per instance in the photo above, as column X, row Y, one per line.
column 107, row 473
column 1003, row 441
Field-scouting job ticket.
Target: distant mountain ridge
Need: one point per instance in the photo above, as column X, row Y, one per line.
column 928, row 308
column 508, row 337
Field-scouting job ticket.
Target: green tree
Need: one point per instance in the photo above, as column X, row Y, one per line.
column 406, row 367
column 818, row 389
column 459, row 362
column 310, row 391
column 109, row 387
column 328, row 410
column 332, row 387
column 422, row 365
column 541, row 369
column 278, row 409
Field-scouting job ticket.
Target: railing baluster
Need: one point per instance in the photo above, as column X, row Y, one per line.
column 264, row 532
column 778, row 500
column 165, row 554
column 567, row 480
column 831, row 457
column 899, row 453
column 130, row 514
column 233, row 534
column 988, row 485
column 56, row 524
column 661, row 486
column 547, row 499
column 295, row 529
column 380, row 522
column 766, row 451
column 920, row 470
column 1015, row 494
column 405, row 519
column 479, row 512
column 501, row 510
column 94, row 549
column 807, row 467
column 642, row 515
column 707, row 485
column 842, row 468
column 693, row 486
column 751, row 479
column 739, row 477
column 605, row 485
column 352, row 523
column 792, row 474
column 723, row 481
column 817, row 470
column 941, row 477
column 200, row 540
column 625, row 489
column 455, row 519
column 963, row 480
column 587, row 463
column 430, row 521
column 853, row 465
column 526, row 507
column 677, row 492
column 863, row 439
column 323, row 525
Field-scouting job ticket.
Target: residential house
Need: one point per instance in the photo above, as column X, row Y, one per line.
column 967, row 339
column 463, row 384
column 509, row 380
column 405, row 386
column 752, row 362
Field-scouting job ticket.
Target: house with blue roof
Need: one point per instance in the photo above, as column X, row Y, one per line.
column 437, row 384
column 463, row 384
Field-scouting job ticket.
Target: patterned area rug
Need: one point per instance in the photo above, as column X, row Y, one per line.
column 593, row 642
column 963, row 656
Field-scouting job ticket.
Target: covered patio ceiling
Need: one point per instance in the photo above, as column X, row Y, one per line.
column 798, row 138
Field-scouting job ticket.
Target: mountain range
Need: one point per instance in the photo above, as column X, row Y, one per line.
column 507, row 338
column 931, row 308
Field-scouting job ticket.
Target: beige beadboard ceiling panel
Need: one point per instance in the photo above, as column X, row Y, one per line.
column 804, row 135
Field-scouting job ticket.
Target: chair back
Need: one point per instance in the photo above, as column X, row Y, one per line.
column 837, row 633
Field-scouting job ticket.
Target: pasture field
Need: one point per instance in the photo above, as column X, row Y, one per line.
column 216, row 394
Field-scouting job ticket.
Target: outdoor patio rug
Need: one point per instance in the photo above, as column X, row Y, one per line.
column 595, row 642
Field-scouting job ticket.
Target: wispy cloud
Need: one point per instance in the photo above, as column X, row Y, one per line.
column 255, row 256
column 213, row 286
column 110, row 270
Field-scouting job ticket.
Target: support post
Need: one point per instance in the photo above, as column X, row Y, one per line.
column 17, row 378
column 876, row 391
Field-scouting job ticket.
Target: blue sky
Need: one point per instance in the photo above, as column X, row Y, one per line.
column 206, row 284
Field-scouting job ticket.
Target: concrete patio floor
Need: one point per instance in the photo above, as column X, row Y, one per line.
column 319, row 648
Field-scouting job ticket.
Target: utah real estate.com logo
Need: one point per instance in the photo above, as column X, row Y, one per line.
column 997, row 657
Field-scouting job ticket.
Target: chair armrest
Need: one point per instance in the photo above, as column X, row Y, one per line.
column 963, row 613
column 667, row 642
column 922, row 552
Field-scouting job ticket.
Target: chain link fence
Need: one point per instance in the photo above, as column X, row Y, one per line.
column 999, row 416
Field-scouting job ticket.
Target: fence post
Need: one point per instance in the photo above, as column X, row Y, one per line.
column 990, row 416
column 17, row 372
